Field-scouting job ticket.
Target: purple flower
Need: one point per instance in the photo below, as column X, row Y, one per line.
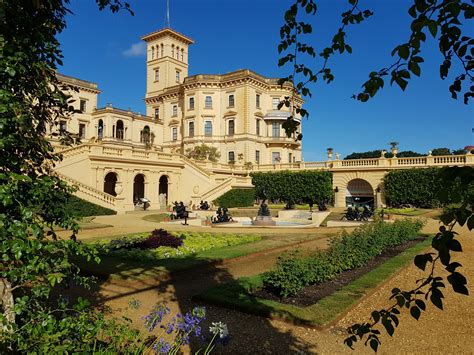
column 162, row 347
column 156, row 316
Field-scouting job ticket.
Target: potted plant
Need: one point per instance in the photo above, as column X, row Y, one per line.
column 394, row 148
column 330, row 150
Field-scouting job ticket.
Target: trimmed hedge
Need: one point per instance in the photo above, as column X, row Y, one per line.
column 346, row 252
column 294, row 186
column 83, row 208
column 236, row 198
column 413, row 187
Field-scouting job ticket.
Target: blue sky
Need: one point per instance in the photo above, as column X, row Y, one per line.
column 234, row 34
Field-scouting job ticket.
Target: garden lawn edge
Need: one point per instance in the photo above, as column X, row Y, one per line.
column 325, row 312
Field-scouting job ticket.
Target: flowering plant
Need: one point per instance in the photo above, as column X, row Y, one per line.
column 182, row 328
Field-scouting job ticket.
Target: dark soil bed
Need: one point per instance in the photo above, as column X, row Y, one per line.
column 313, row 293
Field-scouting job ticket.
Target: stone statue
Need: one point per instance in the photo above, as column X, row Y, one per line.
column 263, row 210
column 162, row 200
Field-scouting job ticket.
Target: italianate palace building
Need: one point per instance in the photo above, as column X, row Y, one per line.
column 124, row 155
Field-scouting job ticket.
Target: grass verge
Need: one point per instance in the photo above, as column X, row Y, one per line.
column 237, row 294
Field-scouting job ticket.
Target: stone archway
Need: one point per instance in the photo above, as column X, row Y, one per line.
column 163, row 188
column 138, row 187
column 110, row 181
column 359, row 192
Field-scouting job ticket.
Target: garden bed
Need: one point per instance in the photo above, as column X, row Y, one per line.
column 243, row 294
column 313, row 293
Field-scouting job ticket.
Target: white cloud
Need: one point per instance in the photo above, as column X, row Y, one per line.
column 136, row 50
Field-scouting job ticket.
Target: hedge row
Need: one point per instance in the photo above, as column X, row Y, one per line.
column 413, row 187
column 346, row 252
column 236, row 198
column 294, row 187
column 83, row 208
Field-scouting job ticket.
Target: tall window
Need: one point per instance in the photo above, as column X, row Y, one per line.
column 257, row 127
column 231, row 101
column 208, row 102
column 172, row 50
column 157, row 74
column 82, row 130
column 275, row 102
column 119, row 131
column 162, row 50
column 208, row 128
column 257, row 156
column 191, row 129
column 231, row 156
column 177, row 76
column 191, row 103
column 182, row 55
column 257, row 100
column 275, row 129
column 231, row 127
column 175, row 133
column 175, row 111
column 152, row 52
column 157, row 113
column 83, row 106
column 276, row 157
column 177, row 52
column 289, row 157
column 100, row 129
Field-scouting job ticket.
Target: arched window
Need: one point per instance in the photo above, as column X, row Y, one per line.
column 191, row 129
column 110, row 181
column 231, row 127
column 162, row 50
column 152, row 52
column 208, row 102
column 157, row 51
column 208, row 128
column 172, row 50
column 100, row 129
column 145, row 135
column 182, row 55
column 119, row 130
column 177, row 52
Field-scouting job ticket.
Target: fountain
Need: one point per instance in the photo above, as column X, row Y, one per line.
column 264, row 217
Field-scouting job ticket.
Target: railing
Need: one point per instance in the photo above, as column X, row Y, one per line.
column 216, row 188
column 411, row 161
column 90, row 191
column 450, row 159
column 360, row 162
column 77, row 150
column 194, row 165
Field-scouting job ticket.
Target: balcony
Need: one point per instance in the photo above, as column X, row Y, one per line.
column 278, row 115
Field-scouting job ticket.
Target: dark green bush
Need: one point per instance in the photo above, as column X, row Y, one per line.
column 346, row 252
column 413, row 187
column 83, row 208
column 294, row 186
column 236, row 198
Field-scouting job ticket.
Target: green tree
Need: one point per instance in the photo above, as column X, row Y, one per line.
column 203, row 152
column 32, row 198
column 441, row 151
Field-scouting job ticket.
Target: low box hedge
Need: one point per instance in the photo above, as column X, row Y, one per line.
column 347, row 251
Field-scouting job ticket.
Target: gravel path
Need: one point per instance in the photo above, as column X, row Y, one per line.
column 448, row 331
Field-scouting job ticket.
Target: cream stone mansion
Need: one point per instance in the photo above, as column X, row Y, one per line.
column 124, row 155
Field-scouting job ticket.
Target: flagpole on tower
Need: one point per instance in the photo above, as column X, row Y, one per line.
column 168, row 24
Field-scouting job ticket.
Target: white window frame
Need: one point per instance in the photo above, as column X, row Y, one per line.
column 275, row 103
column 208, row 102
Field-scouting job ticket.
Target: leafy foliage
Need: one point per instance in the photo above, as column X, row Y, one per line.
column 203, row 152
column 32, row 199
column 236, row 198
column 417, row 187
column 293, row 187
column 346, row 252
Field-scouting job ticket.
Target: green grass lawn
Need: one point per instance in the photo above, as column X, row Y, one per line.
column 116, row 267
column 237, row 294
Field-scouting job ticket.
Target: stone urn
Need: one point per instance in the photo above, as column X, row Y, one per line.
column 118, row 188
column 330, row 150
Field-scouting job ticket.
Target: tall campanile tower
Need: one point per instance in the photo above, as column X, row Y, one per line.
column 167, row 60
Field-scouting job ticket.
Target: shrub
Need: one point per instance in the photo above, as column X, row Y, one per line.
column 347, row 251
column 294, row 187
column 418, row 187
column 159, row 238
column 236, row 198
column 82, row 208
